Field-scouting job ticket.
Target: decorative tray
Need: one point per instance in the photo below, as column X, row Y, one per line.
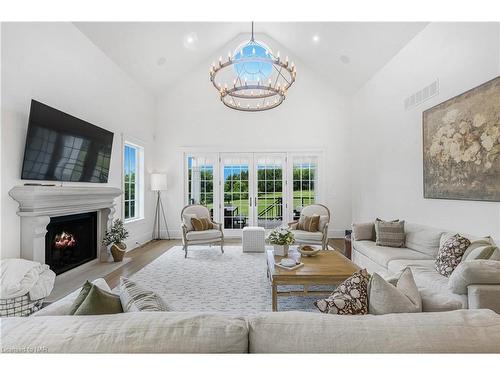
column 297, row 265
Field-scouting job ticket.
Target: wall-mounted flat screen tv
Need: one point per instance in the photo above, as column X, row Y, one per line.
column 61, row 147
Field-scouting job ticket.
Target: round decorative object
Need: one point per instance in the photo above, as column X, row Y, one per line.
column 252, row 78
column 309, row 251
column 288, row 262
column 118, row 251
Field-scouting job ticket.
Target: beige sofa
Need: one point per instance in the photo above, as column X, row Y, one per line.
column 51, row 330
column 422, row 245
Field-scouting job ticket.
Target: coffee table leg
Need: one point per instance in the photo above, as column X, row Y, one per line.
column 275, row 297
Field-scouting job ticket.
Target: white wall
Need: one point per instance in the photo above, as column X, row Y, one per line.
column 387, row 140
column 57, row 65
column 190, row 114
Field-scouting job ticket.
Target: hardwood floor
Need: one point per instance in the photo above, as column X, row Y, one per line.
column 145, row 254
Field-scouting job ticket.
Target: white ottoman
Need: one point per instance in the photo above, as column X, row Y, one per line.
column 254, row 239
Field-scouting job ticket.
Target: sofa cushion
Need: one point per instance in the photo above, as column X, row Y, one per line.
column 210, row 234
column 398, row 265
column 63, row 305
column 474, row 272
column 480, row 252
column 349, row 298
column 307, row 236
column 450, row 254
column 399, row 295
column 435, row 292
column 390, row 233
column 423, row 239
column 383, row 255
column 451, row 332
column 363, row 232
column 134, row 332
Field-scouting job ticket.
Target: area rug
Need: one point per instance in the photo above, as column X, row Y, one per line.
column 209, row 281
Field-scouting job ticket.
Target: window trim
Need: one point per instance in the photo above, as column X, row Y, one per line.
column 139, row 187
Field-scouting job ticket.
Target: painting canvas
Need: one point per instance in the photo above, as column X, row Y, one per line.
column 461, row 146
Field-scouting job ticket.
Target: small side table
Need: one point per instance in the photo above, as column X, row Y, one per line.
column 253, row 239
column 347, row 246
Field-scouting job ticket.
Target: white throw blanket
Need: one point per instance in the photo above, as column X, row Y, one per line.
column 21, row 276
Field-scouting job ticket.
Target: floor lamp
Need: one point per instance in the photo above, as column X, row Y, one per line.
column 159, row 184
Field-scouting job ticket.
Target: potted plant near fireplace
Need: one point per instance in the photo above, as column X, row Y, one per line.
column 115, row 237
column 281, row 238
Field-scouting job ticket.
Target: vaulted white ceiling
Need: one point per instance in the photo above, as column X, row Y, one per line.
column 156, row 54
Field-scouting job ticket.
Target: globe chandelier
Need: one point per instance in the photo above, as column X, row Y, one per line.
column 252, row 79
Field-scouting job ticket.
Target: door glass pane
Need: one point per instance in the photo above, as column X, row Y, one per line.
column 236, row 193
column 304, row 183
column 201, row 182
column 269, row 191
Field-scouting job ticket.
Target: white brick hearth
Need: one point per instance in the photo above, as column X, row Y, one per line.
column 37, row 204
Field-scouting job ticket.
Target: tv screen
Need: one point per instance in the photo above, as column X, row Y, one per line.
column 60, row 147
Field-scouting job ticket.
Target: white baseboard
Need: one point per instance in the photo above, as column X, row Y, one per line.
column 139, row 240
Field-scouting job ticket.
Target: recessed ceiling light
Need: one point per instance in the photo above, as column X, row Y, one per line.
column 190, row 41
column 161, row 61
column 315, row 38
column 345, row 59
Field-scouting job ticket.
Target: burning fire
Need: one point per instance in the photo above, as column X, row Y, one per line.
column 64, row 240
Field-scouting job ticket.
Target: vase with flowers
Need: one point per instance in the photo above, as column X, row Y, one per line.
column 281, row 238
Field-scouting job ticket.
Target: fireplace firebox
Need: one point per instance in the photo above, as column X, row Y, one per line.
column 71, row 241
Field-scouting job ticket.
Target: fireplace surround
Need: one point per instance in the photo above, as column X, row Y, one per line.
column 38, row 205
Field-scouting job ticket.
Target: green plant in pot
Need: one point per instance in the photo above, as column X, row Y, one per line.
column 115, row 237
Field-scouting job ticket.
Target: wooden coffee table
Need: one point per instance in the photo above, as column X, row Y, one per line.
column 327, row 268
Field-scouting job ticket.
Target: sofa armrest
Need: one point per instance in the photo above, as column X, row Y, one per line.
column 363, row 231
column 482, row 296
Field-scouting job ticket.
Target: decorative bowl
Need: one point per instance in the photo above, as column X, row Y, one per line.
column 309, row 251
column 287, row 262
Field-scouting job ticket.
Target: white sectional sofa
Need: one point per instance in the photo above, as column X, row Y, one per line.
column 422, row 245
column 51, row 330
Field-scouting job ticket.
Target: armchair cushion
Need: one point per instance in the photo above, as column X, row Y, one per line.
column 307, row 236
column 201, row 223
column 210, row 234
column 186, row 219
column 308, row 223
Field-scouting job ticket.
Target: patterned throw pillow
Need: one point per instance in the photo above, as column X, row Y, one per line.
column 135, row 298
column 450, row 254
column 201, row 223
column 349, row 298
column 390, row 233
column 309, row 223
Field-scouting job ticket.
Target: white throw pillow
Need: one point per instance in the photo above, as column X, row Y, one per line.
column 481, row 252
column 481, row 271
column 135, row 298
column 400, row 295
column 186, row 219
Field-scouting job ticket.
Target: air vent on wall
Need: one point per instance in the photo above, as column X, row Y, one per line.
column 421, row 96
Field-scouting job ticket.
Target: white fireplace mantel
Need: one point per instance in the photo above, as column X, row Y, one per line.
column 37, row 204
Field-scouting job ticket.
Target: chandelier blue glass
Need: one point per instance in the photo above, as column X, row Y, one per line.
column 258, row 80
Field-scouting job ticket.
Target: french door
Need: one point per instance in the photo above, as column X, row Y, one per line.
column 265, row 189
column 252, row 190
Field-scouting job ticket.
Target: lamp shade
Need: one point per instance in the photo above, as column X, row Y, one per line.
column 158, row 181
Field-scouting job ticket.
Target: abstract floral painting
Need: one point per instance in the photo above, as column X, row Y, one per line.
column 461, row 141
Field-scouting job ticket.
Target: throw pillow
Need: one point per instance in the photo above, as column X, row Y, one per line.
column 201, row 223
column 308, row 223
column 481, row 252
column 390, row 233
column 482, row 271
column 135, row 298
column 81, row 297
column 349, row 298
column 399, row 295
column 450, row 254
column 363, row 231
column 485, row 241
column 186, row 218
column 98, row 302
